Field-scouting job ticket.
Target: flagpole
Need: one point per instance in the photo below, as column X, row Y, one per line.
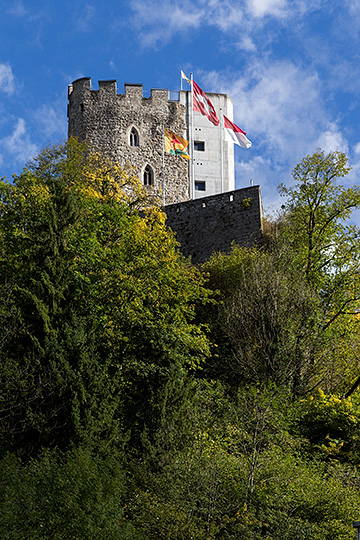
column 191, row 141
column 163, row 163
column 221, row 153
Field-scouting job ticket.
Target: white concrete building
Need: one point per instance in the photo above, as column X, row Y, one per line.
column 213, row 153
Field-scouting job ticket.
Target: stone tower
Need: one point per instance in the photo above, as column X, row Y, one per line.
column 128, row 128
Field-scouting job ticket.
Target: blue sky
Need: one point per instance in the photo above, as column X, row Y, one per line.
column 292, row 69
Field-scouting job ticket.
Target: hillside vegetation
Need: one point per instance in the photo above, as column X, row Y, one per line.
column 143, row 398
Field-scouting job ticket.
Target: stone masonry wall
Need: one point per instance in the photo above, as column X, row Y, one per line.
column 104, row 119
column 204, row 226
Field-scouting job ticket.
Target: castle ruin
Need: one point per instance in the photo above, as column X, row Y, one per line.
column 128, row 128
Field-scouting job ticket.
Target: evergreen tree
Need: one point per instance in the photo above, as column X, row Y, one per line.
column 98, row 304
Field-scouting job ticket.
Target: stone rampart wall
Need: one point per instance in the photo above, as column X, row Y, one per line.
column 204, row 226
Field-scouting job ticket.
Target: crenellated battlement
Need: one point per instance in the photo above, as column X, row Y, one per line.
column 133, row 93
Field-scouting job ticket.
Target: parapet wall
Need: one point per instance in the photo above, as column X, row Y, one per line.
column 204, row 226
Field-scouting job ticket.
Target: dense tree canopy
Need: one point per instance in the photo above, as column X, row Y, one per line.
column 96, row 301
column 142, row 398
column 264, row 320
column 288, row 312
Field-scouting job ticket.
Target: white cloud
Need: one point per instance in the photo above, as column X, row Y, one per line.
column 259, row 8
column 164, row 20
column 224, row 15
column 282, row 108
column 357, row 148
column 85, row 18
column 252, row 170
column 278, row 104
column 354, row 6
column 260, row 171
column 18, row 144
column 17, row 9
column 161, row 20
column 350, row 23
column 51, row 120
column 331, row 140
column 7, row 79
column 246, row 44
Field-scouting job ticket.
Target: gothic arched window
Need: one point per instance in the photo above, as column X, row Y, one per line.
column 133, row 137
column 148, row 176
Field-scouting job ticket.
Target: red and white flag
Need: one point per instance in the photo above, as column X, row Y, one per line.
column 235, row 134
column 203, row 105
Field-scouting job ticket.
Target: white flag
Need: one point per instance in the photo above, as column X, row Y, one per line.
column 235, row 134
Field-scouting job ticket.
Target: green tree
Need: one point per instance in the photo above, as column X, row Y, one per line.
column 242, row 475
column 263, row 321
column 326, row 250
column 64, row 495
column 325, row 246
column 330, row 426
column 98, row 304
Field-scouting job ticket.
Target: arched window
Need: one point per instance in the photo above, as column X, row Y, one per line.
column 133, row 137
column 148, row 176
